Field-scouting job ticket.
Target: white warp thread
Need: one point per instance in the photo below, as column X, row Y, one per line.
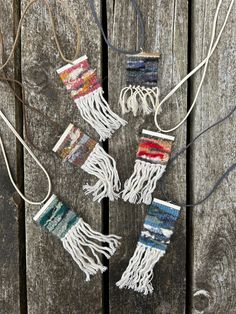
column 140, row 186
column 95, row 110
column 139, row 99
column 139, row 273
column 80, row 237
column 103, row 166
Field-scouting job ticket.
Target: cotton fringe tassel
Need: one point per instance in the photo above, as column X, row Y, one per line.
column 139, row 99
column 103, row 166
column 96, row 111
column 140, row 186
column 81, row 238
column 139, row 273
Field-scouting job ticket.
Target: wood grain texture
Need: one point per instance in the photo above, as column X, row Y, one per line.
column 166, row 30
column 55, row 283
column 214, row 288
column 9, row 244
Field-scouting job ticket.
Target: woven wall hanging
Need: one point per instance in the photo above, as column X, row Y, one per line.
column 152, row 244
column 78, row 238
column 82, row 83
column 141, row 95
column 80, row 150
column 151, row 159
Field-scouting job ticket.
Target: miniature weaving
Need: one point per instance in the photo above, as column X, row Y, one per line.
column 81, row 81
column 141, row 95
column 77, row 237
column 80, row 150
column 154, row 239
column 151, row 159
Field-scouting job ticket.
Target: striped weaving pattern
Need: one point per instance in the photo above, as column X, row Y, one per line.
column 82, row 83
column 82, row 242
column 57, row 218
column 154, row 150
column 142, row 71
column 81, row 151
column 75, row 146
column 79, row 78
column 159, row 225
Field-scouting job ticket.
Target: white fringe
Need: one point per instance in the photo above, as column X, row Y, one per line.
column 139, row 273
column 82, row 236
column 140, row 186
column 103, row 166
column 96, row 111
column 139, row 99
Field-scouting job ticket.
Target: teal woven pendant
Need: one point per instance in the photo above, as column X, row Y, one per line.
column 78, row 238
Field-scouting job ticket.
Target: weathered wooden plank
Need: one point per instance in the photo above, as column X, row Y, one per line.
column 166, row 30
column 9, row 247
column 55, row 283
column 214, row 221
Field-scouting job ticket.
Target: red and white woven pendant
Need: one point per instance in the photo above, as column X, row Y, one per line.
column 151, row 159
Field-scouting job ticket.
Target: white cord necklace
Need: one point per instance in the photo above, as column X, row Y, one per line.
column 32, row 155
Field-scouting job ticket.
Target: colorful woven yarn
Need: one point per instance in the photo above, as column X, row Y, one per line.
column 78, row 238
column 141, row 95
column 81, row 81
column 80, row 150
column 74, row 146
column 142, row 70
column 153, row 153
column 159, row 224
column 154, row 150
column 79, row 78
column 56, row 217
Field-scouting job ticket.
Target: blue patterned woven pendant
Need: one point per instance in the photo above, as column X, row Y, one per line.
column 78, row 238
column 141, row 95
column 157, row 229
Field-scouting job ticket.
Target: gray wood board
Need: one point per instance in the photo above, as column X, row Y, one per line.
column 55, row 284
column 166, row 30
column 9, row 257
column 214, row 288
column 54, row 281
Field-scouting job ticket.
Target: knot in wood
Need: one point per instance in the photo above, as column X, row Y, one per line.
column 37, row 76
column 201, row 300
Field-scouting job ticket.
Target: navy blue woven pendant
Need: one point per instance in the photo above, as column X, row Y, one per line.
column 157, row 229
column 141, row 95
